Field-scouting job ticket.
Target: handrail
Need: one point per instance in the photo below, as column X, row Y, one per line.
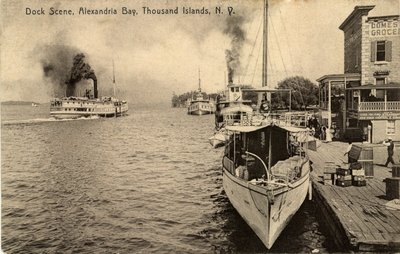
column 265, row 166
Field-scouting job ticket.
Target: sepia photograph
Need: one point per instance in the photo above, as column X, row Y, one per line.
column 200, row 126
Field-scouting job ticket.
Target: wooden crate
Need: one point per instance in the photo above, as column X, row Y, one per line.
column 359, row 172
column 342, row 171
column 329, row 167
column 344, row 177
column 359, row 183
column 392, row 187
column 329, row 178
column 342, row 183
column 358, row 178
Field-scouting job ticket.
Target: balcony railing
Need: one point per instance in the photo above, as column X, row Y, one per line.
column 379, row 106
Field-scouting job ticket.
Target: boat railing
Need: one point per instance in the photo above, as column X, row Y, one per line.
column 298, row 119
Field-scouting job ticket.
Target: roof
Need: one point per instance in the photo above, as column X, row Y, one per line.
column 265, row 89
column 240, row 128
column 387, row 17
column 358, row 9
column 236, row 108
column 371, row 86
column 340, row 77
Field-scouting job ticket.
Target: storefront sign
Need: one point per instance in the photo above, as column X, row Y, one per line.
column 352, row 114
column 385, row 28
column 378, row 115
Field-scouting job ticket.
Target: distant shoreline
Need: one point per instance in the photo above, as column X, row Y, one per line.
column 18, row 103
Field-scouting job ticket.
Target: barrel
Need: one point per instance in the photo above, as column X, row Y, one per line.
column 366, row 158
column 396, row 170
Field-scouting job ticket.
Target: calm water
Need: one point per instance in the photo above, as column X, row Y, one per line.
column 145, row 183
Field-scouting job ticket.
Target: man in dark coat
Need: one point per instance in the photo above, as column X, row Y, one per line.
column 390, row 150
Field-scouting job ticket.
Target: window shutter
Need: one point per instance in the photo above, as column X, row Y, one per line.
column 373, row 51
column 388, row 51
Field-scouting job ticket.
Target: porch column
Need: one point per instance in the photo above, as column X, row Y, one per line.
column 329, row 105
column 385, row 99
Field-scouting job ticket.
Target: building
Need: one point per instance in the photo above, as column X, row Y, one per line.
column 364, row 101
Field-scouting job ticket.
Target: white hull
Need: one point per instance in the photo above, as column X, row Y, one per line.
column 200, row 108
column 77, row 108
column 218, row 139
column 253, row 203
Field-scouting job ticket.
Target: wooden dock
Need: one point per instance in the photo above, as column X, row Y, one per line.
column 356, row 216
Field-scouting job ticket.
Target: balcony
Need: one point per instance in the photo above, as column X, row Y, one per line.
column 376, row 106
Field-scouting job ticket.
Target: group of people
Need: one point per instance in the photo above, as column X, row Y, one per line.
column 319, row 131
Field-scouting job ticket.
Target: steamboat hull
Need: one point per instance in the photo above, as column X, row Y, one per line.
column 72, row 109
column 200, row 108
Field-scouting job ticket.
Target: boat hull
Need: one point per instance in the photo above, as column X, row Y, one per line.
column 72, row 109
column 266, row 212
column 218, row 139
column 200, row 108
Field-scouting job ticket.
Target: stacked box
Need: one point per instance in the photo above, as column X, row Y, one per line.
column 343, row 183
column 329, row 178
column 344, row 177
column 329, row 167
column 358, row 180
column 357, row 172
column 342, row 171
column 392, row 187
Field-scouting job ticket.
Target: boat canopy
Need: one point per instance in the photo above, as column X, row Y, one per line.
column 238, row 128
column 237, row 108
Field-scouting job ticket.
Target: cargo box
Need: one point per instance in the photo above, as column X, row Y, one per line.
column 344, row 178
column 359, row 172
column 358, row 178
column 342, row 183
column 359, row 182
column 342, row 171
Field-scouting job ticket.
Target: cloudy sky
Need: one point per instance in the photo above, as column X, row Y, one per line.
column 156, row 55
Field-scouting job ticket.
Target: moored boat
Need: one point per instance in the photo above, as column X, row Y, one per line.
column 198, row 105
column 266, row 175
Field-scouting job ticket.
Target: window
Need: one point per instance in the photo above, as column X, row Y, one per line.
column 380, row 51
column 390, row 127
column 380, row 81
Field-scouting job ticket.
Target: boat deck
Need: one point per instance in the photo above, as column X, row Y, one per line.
column 356, row 216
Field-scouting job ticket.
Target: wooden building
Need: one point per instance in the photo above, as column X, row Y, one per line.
column 364, row 102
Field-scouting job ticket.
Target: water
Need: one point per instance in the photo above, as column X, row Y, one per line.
column 145, row 183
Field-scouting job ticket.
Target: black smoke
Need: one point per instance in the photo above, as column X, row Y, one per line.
column 65, row 66
column 80, row 70
column 235, row 31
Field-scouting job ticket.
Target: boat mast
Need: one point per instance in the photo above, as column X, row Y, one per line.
column 199, row 81
column 265, row 41
column 113, row 78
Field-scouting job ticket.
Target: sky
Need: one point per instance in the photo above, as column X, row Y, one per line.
column 157, row 55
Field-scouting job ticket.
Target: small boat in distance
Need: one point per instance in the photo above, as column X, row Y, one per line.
column 34, row 104
column 198, row 105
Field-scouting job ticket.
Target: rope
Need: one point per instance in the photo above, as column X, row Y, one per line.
column 279, row 48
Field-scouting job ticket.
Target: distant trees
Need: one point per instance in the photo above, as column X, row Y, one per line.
column 304, row 93
column 179, row 101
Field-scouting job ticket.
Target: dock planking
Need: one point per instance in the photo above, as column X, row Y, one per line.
column 359, row 214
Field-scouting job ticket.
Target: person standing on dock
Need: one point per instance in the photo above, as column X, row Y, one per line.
column 390, row 149
column 348, row 151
